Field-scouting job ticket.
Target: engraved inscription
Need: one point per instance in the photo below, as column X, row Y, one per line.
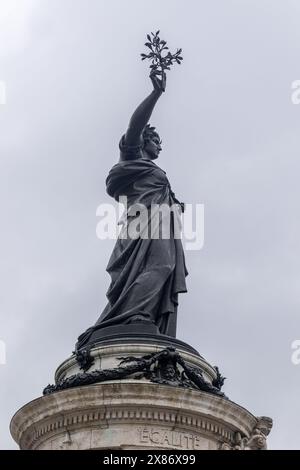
column 168, row 438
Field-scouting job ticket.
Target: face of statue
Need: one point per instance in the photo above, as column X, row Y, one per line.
column 153, row 148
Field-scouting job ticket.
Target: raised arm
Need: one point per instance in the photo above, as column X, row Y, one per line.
column 143, row 112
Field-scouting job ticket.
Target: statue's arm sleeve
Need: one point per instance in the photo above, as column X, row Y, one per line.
column 129, row 152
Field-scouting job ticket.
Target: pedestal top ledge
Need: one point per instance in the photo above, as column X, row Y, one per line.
column 125, row 408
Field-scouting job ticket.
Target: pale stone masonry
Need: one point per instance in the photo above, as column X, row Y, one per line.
column 134, row 413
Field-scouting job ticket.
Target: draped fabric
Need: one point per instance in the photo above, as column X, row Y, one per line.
column 146, row 274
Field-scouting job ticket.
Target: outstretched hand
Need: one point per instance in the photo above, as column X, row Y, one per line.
column 159, row 83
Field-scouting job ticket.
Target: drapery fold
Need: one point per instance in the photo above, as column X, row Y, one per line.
column 147, row 274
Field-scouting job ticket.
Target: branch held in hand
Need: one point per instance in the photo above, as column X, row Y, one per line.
column 160, row 59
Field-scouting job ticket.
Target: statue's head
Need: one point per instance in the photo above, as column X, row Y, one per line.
column 152, row 142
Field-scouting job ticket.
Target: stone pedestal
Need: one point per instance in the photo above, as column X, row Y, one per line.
column 135, row 412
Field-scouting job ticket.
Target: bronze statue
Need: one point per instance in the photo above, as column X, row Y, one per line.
column 147, row 274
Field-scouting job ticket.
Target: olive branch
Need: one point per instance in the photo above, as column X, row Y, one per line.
column 160, row 62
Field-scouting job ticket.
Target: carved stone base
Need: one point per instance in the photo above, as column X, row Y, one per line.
column 107, row 357
column 128, row 415
column 135, row 412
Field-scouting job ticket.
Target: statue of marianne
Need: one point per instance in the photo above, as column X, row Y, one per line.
column 146, row 273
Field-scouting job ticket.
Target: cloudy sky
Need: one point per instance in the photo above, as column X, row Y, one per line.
column 230, row 141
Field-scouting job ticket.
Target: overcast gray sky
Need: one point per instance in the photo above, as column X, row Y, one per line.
column 230, row 141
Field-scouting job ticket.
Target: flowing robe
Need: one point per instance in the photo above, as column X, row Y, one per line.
column 146, row 273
